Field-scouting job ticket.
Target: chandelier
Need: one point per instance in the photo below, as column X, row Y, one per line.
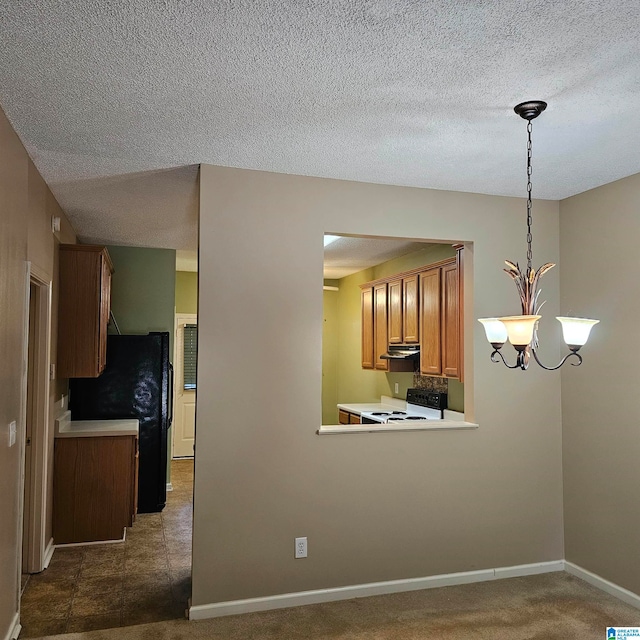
column 522, row 330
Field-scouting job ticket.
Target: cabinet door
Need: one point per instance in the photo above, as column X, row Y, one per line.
column 343, row 416
column 105, row 310
column 92, row 488
column 450, row 322
column 84, row 303
column 354, row 419
column 430, row 323
column 460, row 264
column 367, row 328
column 381, row 342
column 395, row 312
column 410, row 310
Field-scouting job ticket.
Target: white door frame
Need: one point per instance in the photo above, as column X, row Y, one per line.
column 39, row 550
column 177, row 365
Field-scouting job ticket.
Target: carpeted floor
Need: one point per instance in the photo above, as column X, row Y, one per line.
column 555, row 606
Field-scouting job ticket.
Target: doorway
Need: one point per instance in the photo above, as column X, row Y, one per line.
column 185, row 365
column 36, row 549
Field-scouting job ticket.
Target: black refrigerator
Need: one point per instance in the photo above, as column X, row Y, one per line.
column 137, row 382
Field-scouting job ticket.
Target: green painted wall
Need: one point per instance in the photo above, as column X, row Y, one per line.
column 330, row 358
column 353, row 382
column 186, row 292
column 143, row 290
column 343, row 372
column 430, row 254
column 143, row 294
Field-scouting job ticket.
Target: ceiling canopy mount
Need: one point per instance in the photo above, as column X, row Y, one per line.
column 530, row 109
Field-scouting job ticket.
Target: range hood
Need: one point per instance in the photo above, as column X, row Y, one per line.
column 402, row 352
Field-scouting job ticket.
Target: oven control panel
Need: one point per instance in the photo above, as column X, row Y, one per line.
column 424, row 398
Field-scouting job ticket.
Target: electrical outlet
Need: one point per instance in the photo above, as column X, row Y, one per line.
column 12, row 441
column 397, row 388
column 301, row 547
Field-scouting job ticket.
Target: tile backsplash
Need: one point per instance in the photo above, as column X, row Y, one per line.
column 453, row 388
column 430, row 383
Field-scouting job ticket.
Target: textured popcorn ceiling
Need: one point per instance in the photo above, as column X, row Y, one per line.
column 110, row 97
column 349, row 255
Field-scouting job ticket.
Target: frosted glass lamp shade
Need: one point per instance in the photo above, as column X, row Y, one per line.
column 495, row 330
column 576, row 330
column 520, row 329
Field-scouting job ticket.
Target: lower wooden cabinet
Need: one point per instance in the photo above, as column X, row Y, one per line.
column 94, row 487
column 345, row 417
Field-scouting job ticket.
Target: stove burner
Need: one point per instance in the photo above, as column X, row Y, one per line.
column 392, row 418
column 415, row 418
column 398, row 413
column 380, row 413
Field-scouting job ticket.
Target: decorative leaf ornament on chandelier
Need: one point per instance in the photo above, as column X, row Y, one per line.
column 522, row 330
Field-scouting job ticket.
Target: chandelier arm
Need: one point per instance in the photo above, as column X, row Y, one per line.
column 572, row 353
column 506, row 364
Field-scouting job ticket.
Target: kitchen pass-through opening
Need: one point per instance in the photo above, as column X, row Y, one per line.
column 393, row 330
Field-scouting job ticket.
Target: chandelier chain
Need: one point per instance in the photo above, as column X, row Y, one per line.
column 529, row 203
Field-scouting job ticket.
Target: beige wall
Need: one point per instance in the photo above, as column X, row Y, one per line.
column 374, row 506
column 599, row 232
column 26, row 207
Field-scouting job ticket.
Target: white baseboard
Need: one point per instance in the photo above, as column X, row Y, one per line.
column 89, row 544
column 48, row 554
column 529, row 569
column 604, row 585
column 14, row 628
column 218, row 609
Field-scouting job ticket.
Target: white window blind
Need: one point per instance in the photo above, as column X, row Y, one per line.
column 190, row 355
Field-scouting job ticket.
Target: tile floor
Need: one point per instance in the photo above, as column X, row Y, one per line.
column 145, row 579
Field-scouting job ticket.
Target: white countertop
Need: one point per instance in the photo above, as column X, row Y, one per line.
column 67, row 428
column 367, row 407
column 386, row 404
column 405, row 425
column 452, row 419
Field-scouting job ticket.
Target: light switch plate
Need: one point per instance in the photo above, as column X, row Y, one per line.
column 12, row 433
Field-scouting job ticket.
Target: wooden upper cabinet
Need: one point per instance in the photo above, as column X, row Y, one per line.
column 396, row 335
column 380, row 332
column 450, row 322
column 430, row 322
column 460, row 264
column 367, row 327
column 423, row 306
column 84, row 307
column 410, row 310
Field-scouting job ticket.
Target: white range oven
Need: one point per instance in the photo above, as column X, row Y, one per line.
column 421, row 405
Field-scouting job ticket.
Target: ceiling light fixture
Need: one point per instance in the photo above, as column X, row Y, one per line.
column 522, row 330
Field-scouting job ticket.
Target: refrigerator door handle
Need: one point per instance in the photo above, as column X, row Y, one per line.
column 171, row 392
